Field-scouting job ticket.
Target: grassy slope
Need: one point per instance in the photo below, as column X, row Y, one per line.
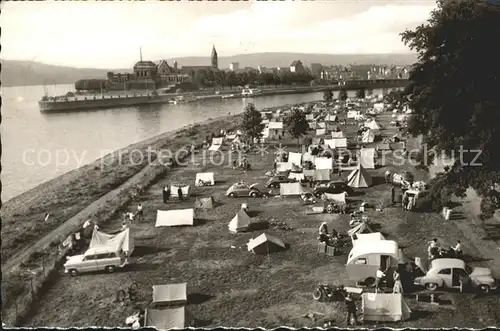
column 242, row 289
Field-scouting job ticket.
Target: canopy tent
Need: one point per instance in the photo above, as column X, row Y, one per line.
column 323, row 163
column 367, row 158
column 283, row 166
column 176, row 217
column 167, row 319
column 204, row 177
column 287, row 189
column 298, row 176
column 385, row 307
column 373, row 125
column 240, row 222
column 359, row 178
column 169, row 294
column 122, row 240
column 320, row 132
column 204, row 203
column 265, row 244
column 174, row 189
column 295, row 158
column 368, row 137
column 339, row 197
column 337, row 134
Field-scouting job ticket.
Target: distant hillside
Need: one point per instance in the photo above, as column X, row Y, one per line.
column 285, row 59
column 21, row 73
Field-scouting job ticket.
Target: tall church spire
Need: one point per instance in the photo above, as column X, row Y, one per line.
column 215, row 60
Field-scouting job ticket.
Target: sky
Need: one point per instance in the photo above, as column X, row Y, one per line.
column 109, row 34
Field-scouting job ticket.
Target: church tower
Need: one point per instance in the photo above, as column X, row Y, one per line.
column 215, row 61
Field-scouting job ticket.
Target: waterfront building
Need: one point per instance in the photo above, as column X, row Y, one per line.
column 234, row 66
column 316, row 69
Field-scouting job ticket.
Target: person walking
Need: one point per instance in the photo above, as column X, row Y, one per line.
column 166, row 194
column 351, row 309
column 179, row 193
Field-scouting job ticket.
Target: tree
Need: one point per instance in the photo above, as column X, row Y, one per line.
column 360, row 94
column 231, row 79
column 296, row 124
column 200, row 77
column 252, row 125
column 453, row 90
column 343, row 95
column 328, row 95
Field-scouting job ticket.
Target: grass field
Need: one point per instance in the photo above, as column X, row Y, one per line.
column 229, row 286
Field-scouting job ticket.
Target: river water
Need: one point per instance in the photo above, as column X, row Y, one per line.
column 39, row 147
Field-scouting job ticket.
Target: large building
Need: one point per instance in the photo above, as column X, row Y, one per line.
column 214, row 64
column 234, row 66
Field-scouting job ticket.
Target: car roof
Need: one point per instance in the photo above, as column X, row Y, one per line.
column 447, row 263
column 100, row 250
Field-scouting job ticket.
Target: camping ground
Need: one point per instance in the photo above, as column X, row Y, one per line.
column 229, row 286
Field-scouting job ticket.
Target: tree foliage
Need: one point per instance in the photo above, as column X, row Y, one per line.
column 252, row 125
column 360, row 94
column 327, row 95
column 296, row 123
column 454, row 91
column 343, row 95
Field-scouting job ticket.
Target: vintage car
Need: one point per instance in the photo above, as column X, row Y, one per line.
column 244, row 190
column 455, row 273
column 275, row 181
column 95, row 259
column 334, row 187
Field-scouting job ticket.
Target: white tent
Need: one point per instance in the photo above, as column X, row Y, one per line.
column 320, row 132
column 298, row 176
column 176, row 217
column 367, row 158
column 313, row 125
column 368, row 136
column 336, row 142
column 169, row 294
column 360, row 228
column 204, row 203
column 185, row 191
column 322, row 125
column 337, row 134
column 359, row 178
column 168, row 318
column 287, row 189
column 330, row 118
column 323, row 163
column 308, row 157
column 373, row 125
column 214, row 147
column 353, row 114
column 240, row 222
column 385, row 307
column 207, row 177
column 283, row 166
column 321, row 174
column 217, row 141
column 122, row 240
column 309, row 117
column 339, row 197
column 295, row 158
column 264, row 244
column 378, row 106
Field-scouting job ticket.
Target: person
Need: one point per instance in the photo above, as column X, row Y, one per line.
column 166, row 194
column 387, row 176
column 432, row 248
column 458, row 249
column 393, row 194
column 378, row 279
column 405, row 201
column 130, row 216
column 139, row 212
column 351, row 309
column 410, row 203
column 398, row 288
column 323, row 232
column 179, row 193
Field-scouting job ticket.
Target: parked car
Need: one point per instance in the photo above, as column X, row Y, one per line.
column 455, row 273
column 275, row 181
column 244, row 190
column 95, row 259
column 333, row 187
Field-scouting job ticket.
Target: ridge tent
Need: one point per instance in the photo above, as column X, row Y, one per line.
column 322, row 125
column 185, row 191
column 323, row 163
column 169, row 294
column 204, row 177
column 287, row 189
column 121, row 241
column 359, row 178
column 337, row 134
column 295, row 158
column 167, row 319
column 204, row 203
column 385, row 307
column 283, row 166
column 367, row 158
column 336, row 142
column 320, row 132
column 298, row 176
column 177, row 217
column 214, row 147
column 240, row 222
column 265, row 244
column 339, row 197
column 373, row 125
column 216, row 144
column 368, row 136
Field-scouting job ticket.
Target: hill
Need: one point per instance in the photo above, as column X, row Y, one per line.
column 23, row 73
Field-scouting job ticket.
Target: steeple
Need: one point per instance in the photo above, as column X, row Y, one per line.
column 140, row 51
column 215, row 60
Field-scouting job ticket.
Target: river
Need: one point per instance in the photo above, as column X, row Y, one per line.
column 39, row 147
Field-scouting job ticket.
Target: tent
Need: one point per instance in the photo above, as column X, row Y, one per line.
column 330, row 118
column 240, row 222
column 359, row 178
column 122, row 240
column 322, row 174
column 309, row 117
column 320, row 132
column 362, row 227
column 185, row 191
column 207, row 177
column 368, row 136
column 169, row 294
column 308, row 157
column 204, row 203
column 337, row 134
column 298, row 176
column 217, row 141
column 176, row 217
column 291, row 189
column 367, row 158
column 313, row 125
column 295, row 158
column 385, row 307
column 373, row 125
column 322, row 125
column 214, row 147
column 336, row 142
column 283, row 166
column 353, row 114
column 167, row 319
column 339, row 197
column 323, row 163
column 378, row 106
column 265, row 244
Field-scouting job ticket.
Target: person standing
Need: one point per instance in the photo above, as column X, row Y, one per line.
column 393, row 194
column 166, row 194
column 179, row 193
column 140, row 215
column 458, row 249
column 432, row 248
column 351, row 309
column 378, row 279
column 387, row 176
column 398, row 288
